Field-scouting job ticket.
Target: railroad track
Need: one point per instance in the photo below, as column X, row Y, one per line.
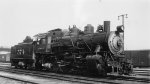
column 19, row 80
column 63, row 77
column 143, row 72
column 4, row 64
column 77, row 79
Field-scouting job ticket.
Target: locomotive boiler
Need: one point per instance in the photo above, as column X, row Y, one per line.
column 77, row 51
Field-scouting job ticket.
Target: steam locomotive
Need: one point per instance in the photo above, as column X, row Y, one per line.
column 74, row 51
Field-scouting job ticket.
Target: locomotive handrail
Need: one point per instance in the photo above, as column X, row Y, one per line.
column 87, row 45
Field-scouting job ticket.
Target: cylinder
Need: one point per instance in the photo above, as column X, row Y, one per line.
column 106, row 26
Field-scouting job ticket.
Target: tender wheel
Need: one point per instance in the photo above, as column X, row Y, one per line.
column 38, row 66
column 120, row 71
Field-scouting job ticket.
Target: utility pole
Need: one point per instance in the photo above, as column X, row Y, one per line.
column 123, row 16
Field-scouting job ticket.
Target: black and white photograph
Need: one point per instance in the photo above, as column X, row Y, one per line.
column 74, row 42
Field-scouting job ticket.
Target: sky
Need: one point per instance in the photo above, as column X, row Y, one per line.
column 21, row 18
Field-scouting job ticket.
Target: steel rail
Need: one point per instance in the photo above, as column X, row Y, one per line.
column 74, row 78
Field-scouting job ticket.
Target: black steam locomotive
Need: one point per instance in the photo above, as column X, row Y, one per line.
column 74, row 51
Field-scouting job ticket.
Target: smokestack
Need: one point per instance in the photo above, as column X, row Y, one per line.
column 106, row 26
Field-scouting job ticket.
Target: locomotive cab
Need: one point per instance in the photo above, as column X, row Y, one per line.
column 40, row 42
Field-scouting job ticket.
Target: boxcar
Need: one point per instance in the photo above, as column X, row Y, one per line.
column 140, row 58
column 4, row 56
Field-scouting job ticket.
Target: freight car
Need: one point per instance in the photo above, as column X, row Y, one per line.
column 4, row 56
column 99, row 52
column 140, row 58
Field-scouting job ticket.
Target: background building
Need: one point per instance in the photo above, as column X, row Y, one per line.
column 4, row 54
